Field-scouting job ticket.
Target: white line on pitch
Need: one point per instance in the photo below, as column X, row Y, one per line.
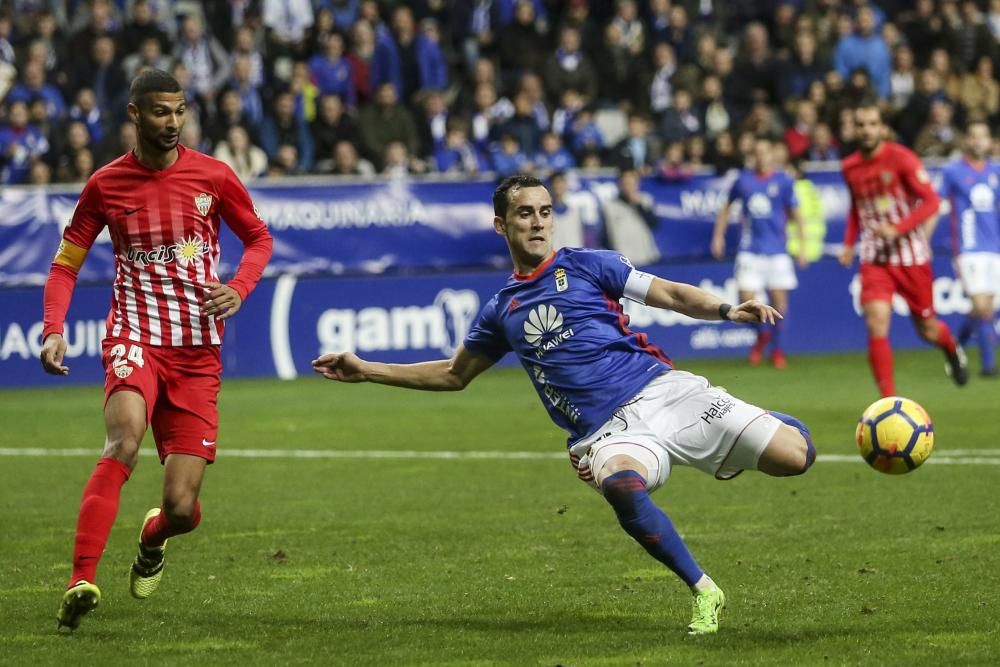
column 973, row 457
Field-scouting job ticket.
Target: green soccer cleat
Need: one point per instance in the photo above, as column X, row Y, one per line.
column 706, row 608
column 147, row 568
column 79, row 600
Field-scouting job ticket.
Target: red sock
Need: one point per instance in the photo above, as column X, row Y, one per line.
column 98, row 510
column 160, row 529
column 880, row 359
column 944, row 338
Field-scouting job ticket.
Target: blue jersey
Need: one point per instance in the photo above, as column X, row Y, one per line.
column 974, row 212
column 566, row 326
column 766, row 201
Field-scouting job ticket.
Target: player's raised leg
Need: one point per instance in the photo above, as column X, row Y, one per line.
column 125, row 423
column 937, row 333
column 623, row 481
column 790, row 451
column 878, row 315
column 779, row 301
column 179, row 514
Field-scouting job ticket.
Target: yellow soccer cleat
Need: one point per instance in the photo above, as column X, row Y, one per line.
column 79, row 600
column 147, row 568
column 707, row 605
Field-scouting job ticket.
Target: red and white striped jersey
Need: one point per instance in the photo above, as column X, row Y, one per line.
column 165, row 229
column 889, row 187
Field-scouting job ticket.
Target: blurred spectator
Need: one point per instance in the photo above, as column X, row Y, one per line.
column 408, row 60
column 140, row 26
column 85, row 110
column 915, row 114
column 847, row 137
column 249, row 94
column 696, row 152
column 283, row 128
column 577, row 16
column 680, row 121
column 973, row 39
column 672, row 168
column 287, row 23
column 638, row 149
column 678, row 34
column 105, row 77
column 553, row 156
column 799, row 135
column 285, row 162
column 117, row 143
column 938, row 138
column 230, row 114
column 332, row 125
column 192, row 135
column 346, row 161
column 629, row 221
column 431, row 58
column 97, row 18
column 40, row 174
column 247, row 160
column 618, row 71
column 756, row 70
column 507, row 157
column 21, row 144
column 993, row 19
column 859, row 87
column 865, row 48
column 569, row 67
column 523, row 125
column 83, row 166
column 323, row 26
column 33, row 86
column 531, row 85
column 951, row 82
column 801, row 69
column 630, row 30
column 925, row 30
column 821, row 145
column 980, row 92
column 345, row 12
column 690, row 75
column 384, row 122
column 432, row 122
column 77, row 139
column 521, row 42
column 902, row 81
column 304, row 91
column 245, row 45
column 51, row 41
column 660, row 88
column 568, row 227
column 783, row 28
column 206, row 61
column 360, row 56
column 713, row 112
column 584, row 137
column 398, row 161
column 458, row 154
column 149, row 55
column 161, row 13
column 810, row 207
column 563, row 116
column 489, row 114
column 480, row 22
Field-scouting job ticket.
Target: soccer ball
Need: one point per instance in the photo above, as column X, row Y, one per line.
column 895, row 435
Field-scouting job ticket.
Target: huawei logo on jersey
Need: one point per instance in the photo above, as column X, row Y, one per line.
column 542, row 323
column 759, row 205
column 182, row 252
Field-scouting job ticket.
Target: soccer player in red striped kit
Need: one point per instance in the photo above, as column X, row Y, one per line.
column 892, row 204
column 162, row 204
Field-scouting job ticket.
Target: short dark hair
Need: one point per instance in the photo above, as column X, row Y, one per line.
column 152, row 81
column 508, row 188
column 868, row 102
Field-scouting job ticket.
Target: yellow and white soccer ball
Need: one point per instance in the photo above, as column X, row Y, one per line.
column 895, row 435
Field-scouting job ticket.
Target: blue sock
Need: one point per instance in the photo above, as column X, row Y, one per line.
column 987, row 344
column 777, row 331
column 795, row 423
column 648, row 525
column 969, row 324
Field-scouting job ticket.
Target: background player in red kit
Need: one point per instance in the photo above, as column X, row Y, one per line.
column 162, row 205
column 891, row 200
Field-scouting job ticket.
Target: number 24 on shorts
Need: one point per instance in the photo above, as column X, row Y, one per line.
column 121, row 360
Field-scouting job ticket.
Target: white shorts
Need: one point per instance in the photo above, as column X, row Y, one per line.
column 679, row 419
column 980, row 272
column 760, row 272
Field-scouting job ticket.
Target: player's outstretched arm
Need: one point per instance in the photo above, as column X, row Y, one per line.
column 696, row 302
column 442, row 375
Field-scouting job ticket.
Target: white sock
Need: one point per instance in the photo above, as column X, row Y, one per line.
column 703, row 584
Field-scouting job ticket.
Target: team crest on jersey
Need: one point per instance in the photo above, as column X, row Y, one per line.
column 772, row 190
column 992, row 180
column 887, row 177
column 123, row 371
column 562, row 281
column 203, row 202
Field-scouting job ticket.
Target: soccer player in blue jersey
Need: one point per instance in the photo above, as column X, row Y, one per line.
column 970, row 184
column 630, row 416
column 768, row 199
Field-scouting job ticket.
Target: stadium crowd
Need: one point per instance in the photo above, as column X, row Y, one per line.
column 290, row 87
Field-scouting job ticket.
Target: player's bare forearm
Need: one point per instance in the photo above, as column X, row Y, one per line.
column 441, row 375
column 699, row 304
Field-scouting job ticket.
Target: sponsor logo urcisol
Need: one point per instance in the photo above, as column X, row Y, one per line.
column 181, row 252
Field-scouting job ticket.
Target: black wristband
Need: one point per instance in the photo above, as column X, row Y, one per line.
column 724, row 309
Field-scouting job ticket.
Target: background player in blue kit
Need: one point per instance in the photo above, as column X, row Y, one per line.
column 970, row 184
column 762, row 263
column 630, row 416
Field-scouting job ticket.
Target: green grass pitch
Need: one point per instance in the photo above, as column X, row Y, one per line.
column 476, row 561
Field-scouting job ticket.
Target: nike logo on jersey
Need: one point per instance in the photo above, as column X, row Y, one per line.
column 206, row 443
column 130, row 211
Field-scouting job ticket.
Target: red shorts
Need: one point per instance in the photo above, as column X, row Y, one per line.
column 181, row 389
column 914, row 283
